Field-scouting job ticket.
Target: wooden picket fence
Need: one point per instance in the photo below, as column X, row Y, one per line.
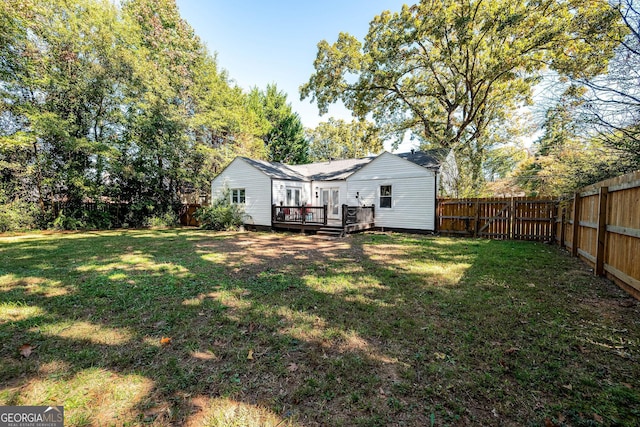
column 516, row 218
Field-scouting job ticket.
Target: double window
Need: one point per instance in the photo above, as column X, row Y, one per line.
column 238, row 195
column 385, row 196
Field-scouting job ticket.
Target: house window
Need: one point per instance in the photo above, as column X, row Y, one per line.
column 293, row 197
column 238, row 195
column 385, row 196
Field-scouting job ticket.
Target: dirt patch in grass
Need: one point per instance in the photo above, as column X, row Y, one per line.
column 188, row 327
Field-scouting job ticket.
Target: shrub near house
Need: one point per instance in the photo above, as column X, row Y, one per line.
column 222, row 214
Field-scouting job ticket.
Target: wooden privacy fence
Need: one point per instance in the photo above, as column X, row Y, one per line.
column 516, row 218
column 601, row 225
column 186, row 214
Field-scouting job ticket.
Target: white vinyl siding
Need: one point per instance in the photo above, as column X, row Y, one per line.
column 241, row 175
column 285, row 192
column 412, row 192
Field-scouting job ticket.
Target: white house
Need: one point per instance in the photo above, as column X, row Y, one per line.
column 400, row 188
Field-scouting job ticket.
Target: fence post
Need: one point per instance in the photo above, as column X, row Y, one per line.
column 576, row 224
column 512, row 222
column 602, row 228
column 476, row 225
column 555, row 212
column 563, row 228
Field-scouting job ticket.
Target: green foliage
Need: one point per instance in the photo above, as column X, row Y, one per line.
column 565, row 159
column 450, row 72
column 221, row 215
column 337, row 139
column 503, row 160
column 66, row 222
column 167, row 219
column 83, row 219
column 114, row 100
column 18, row 215
column 284, row 138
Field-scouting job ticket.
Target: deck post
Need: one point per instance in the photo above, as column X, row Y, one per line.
column 273, row 214
column 344, row 216
column 325, row 210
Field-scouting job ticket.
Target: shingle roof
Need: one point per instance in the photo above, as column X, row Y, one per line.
column 333, row 170
column 431, row 159
column 275, row 169
column 340, row 169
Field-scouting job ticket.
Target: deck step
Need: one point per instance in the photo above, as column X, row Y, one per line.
column 330, row 231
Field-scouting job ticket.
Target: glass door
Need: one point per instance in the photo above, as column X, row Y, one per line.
column 331, row 198
column 335, row 203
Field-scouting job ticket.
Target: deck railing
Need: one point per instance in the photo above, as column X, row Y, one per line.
column 299, row 214
column 358, row 215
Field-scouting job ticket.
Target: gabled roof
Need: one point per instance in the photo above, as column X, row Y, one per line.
column 275, row 169
column 340, row 169
column 431, row 159
column 333, row 170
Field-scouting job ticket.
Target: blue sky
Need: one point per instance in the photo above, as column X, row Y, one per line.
column 274, row 41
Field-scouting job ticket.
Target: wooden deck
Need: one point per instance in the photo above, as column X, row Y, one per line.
column 314, row 219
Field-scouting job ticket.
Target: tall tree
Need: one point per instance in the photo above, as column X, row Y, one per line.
column 448, row 70
column 337, row 139
column 565, row 159
column 119, row 101
column 612, row 101
column 59, row 94
column 284, row 138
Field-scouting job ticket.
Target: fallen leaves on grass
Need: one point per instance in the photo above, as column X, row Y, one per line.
column 598, row 418
column 26, row 350
column 292, row 367
column 439, row 355
column 250, row 355
column 164, row 341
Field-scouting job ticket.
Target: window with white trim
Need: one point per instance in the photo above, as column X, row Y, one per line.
column 385, row 196
column 238, row 195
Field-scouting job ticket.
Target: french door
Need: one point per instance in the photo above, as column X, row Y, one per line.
column 331, row 198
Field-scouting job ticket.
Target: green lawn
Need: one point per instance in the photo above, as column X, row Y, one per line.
column 189, row 327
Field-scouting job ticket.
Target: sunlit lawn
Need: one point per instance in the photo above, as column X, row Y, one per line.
column 188, row 327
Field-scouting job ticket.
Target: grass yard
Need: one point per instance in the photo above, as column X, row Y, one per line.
column 189, row 327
